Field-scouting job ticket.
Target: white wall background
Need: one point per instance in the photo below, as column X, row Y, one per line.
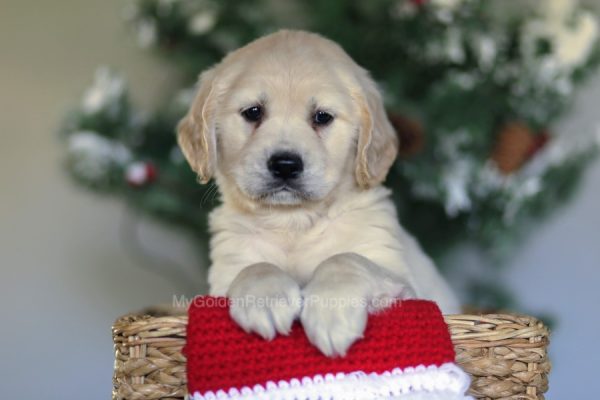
column 65, row 276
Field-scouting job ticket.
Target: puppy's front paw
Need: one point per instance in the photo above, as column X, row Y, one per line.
column 264, row 300
column 333, row 321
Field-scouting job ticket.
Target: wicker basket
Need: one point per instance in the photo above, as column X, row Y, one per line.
column 504, row 354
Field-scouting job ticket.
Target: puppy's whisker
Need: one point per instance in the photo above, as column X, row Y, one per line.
column 211, row 189
column 215, row 194
column 208, row 189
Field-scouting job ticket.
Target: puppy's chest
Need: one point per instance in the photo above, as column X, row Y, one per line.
column 301, row 251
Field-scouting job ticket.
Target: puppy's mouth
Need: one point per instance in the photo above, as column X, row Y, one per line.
column 284, row 194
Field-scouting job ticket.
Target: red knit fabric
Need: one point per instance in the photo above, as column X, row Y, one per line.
column 220, row 355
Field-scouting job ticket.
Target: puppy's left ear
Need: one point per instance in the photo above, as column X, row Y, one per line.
column 196, row 131
column 377, row 141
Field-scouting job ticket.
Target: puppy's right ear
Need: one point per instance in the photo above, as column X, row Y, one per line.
column 196, row 131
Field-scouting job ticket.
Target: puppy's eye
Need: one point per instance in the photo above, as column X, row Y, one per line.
column 253, row 114
column 322, row 118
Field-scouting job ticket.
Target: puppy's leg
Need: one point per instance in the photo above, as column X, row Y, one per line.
column 265, row 300
column 343, row 290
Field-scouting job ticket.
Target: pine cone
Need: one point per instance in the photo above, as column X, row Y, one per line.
column 513, row 146
column 410, row 132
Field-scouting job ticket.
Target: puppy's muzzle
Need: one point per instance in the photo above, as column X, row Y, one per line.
column 285, row 165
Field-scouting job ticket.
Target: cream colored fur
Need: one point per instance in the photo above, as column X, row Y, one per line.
column 332, row 252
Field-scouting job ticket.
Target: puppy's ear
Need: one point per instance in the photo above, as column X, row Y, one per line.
column 377, row 141
column 196, row 131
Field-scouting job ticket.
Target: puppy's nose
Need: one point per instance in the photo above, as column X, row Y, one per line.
column 285, row 165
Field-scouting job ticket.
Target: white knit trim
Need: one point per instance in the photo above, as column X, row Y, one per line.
column 446, row 382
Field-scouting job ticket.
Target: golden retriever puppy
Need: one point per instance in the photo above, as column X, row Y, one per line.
column 296, row 136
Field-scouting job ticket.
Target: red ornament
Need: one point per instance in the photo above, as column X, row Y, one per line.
column 140, row 173
column 418, row 3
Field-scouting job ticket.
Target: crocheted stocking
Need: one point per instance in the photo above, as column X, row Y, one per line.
column 406, row 353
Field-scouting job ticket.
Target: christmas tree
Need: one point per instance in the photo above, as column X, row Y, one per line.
column 472, row 87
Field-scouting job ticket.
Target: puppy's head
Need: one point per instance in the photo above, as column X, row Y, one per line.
column 285, row 120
